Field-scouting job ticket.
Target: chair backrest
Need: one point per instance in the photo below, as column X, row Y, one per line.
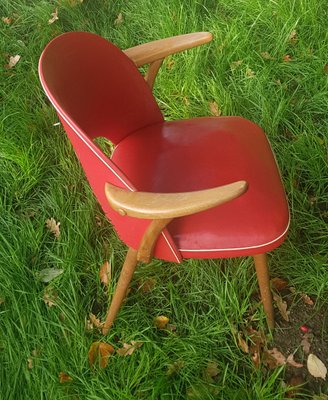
column 98, row 91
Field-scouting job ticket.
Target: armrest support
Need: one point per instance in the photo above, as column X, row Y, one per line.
column 159, row 49
column 170, row 205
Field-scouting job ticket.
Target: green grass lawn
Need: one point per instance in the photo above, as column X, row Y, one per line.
column 268, row 63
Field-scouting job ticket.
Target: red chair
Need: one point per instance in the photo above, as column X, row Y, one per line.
column 197, row 188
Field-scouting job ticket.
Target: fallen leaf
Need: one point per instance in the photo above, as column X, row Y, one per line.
column 128, row 348
column 249, row 73
column 279, row 284
column 273, row 358
column 13, row 60
column 161, row 322
column 214, row 108
column 53, row 227
column 1, row 300
column 147, row 285
column 287, row 58
column 29, row 363
column 48, row 274
column 282, row 306
column 235, row 64
column 292, row 392
column 290, row 360
column 306, row 342
column 100, row 351
column 242, row 343
column 174, row 368
column 7, row 20
column 316, row 367
column 93, row 322
column 50, row 297
column 325, row 69
column 171, row 327
column 54, row 17
column 119, row 19
column 307, row 299
column 105, row 273
column 186, row 101
column 321, row 396
column 293, row 37
column 257, row 339
column 212, row 369
column 63, row 377
column 266, row 55
column 170, row 63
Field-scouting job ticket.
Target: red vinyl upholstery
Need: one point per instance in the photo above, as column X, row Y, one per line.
column 98, row 91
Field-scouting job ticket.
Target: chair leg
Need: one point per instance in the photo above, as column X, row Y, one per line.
column 262, row 272
column 128, row 269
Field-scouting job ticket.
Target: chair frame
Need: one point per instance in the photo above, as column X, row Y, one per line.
column 161, row 208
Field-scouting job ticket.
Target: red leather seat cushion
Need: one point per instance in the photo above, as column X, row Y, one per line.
column 201, row 153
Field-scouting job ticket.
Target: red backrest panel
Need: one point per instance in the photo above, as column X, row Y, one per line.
column 104, row 98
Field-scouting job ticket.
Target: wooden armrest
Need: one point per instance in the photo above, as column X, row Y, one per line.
column 170, row 205
column 159, row 49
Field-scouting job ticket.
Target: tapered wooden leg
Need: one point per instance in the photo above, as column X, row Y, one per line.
column 128, row 269
column 262, row 272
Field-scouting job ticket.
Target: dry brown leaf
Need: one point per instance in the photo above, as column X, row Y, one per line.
column 171, row 327
column 279, row 284
column 161, row 322
column 54, row 17
column 7, row 20
column 242, row 343
column 128, row 348
column 93, row 322
column 29, row 363
column 282, row 306
column 249, row 73
column 147, row 285
column 214, row 108
column 287, row 58
column 306, row 342
column 174, row 368
column 316, row 367
column 212, row 369
column 105, row 273
column 100, row 351
column 64, row 378
column 266, row 55
column 293, row 37
column 119, row 20
column 53, row 227
column 273, row 358
column 292, row 393
column 13, row 60
column 49, row 297
column 325, row 69
column 290, row 360
column 307, row 299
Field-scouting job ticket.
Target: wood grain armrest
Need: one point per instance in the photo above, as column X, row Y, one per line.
column 159, row 49
column 170, row 205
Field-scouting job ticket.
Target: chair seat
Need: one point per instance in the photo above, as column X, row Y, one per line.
column 202, row 153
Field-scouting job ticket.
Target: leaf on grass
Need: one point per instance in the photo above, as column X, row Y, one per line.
column 105, row 273
column 119, row 20
column 278, row 284
column 249, row 73
column 171, row 327
column 13, row 60
column 170, row 63
column 321, row 396
column 100, row 351
column 316, row 367
column 290, row 360
column 2, row 300
column 293, row 37
column 50, row 297
column 257, row 339
column 235, row 64
column 242, row 343
column 307, row 299
column 306, row 342
column 174, row 368
column 7, row 20
column 128, row 348
column 147, row 285
column 93, row 322
column 64, row 378
column 273, row 358
column 186, row 101
column 53, row 227
column 161, row 322
column 292, row 392
column 282, row 306
column 325, row 69
column 212, row 370
column 266, row 55
column 287, row 58
column 54, row 17
column 48, row 274
column 29, row 363
column 214, row 108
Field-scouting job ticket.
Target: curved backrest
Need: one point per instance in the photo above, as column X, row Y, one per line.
column 97, row 85
column 97, row 91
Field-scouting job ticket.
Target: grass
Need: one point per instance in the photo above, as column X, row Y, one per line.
column 40, row 178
